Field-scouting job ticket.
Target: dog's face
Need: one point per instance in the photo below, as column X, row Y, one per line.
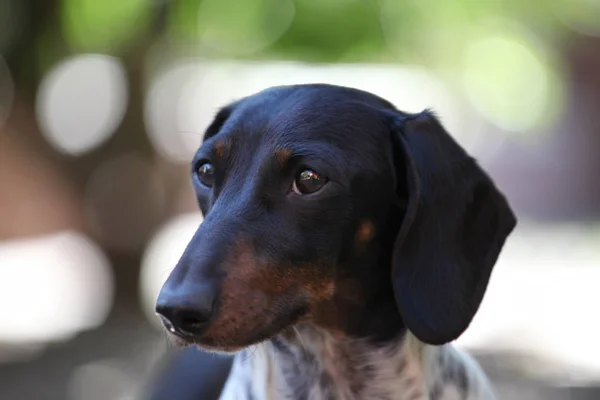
column 304, row 190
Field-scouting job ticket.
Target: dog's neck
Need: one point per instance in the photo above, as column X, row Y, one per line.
column 311, row 363
column 314, row 363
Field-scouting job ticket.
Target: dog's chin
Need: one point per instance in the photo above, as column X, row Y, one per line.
column 210, row 345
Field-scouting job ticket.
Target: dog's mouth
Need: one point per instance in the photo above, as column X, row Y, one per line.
column 225, row 338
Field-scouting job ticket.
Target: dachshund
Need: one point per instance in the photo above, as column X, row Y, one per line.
column 345, row 245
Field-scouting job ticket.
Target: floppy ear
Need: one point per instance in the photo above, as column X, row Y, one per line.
column 455, row 225
column 218, row 121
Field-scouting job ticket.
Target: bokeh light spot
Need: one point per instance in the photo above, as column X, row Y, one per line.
column 232, row 28
column 161, row 109
column 429, row 31
column 62, row 284
column 582, row 16
column 81, row 102
column 508, row 79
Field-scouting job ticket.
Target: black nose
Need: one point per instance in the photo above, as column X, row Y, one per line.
column 186, row 312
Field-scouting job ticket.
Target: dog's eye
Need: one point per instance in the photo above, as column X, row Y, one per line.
column 307, row 182
column 206, row 173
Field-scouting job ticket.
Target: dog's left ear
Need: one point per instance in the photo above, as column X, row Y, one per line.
column 218, row 121
column 453, row 230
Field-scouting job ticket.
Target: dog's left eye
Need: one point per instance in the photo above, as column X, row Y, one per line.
column 308, row 181
column 206, row 174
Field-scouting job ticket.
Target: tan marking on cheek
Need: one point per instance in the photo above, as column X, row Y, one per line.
column 241, row 305
column 308, row 280
column 365, row 232
column 255, row 294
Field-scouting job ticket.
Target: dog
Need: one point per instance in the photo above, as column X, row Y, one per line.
column 345, row 245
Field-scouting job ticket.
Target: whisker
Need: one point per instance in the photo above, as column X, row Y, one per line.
column 189, row 133
column 302, row 344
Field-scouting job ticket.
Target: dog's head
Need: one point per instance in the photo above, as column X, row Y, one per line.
column 323, row 204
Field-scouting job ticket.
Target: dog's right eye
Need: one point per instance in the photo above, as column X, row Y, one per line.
column 206, row 174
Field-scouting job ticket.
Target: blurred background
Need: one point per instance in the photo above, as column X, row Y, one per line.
column 102, row 104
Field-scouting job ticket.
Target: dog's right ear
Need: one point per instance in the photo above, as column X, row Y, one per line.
column 217, row 123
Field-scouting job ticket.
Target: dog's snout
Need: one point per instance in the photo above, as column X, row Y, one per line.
column 186, row 313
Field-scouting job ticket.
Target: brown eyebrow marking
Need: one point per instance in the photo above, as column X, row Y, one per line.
column 220, row 147
column 283, row 155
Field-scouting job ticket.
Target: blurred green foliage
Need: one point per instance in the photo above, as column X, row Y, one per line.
column 103, row 26
column 518, row 71
column 303, row 29
column 428, row 31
